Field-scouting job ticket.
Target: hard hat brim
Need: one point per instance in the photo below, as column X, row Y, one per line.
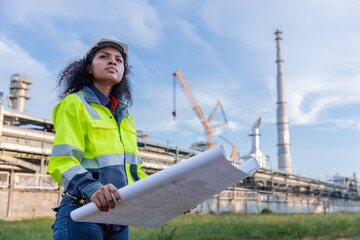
column 102, row 43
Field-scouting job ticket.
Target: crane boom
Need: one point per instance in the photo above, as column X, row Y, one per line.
column 214, row 111
column 197, row 109
column 234, row 152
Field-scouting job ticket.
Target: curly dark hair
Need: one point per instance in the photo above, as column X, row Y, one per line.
column 75, row 76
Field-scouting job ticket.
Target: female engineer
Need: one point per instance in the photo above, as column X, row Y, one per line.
column 95, row 149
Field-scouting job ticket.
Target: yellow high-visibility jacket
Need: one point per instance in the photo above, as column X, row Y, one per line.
column 91, row 148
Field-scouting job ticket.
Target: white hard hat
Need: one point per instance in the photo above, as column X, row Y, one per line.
column 108, row 42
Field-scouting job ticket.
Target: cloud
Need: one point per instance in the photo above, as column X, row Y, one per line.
column 232, row 126
column 16, row 60
column 133, row 21
column 321, row 72
column 348, row 123
column 309, row 98
column 188, row 30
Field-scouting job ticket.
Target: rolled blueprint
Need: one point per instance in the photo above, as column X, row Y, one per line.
column 158, row 198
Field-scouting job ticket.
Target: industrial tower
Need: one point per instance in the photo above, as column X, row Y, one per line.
column 284, row 157
column 18, row 92
column 255, row 149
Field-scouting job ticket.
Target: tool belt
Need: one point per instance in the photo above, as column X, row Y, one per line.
column 78, row 200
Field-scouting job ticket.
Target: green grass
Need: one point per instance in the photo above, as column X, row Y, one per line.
column 218, row 226
column 39, row 228
column 255, row 226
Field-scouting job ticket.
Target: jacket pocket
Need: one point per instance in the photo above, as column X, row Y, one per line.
column 128, row 136
column 102, row 124
column 103, row 135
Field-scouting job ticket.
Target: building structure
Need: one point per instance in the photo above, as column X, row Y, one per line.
column 25, row 151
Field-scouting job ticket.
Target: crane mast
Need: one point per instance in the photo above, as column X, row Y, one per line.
column 197, row 109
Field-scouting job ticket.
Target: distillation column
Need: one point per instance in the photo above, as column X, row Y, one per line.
column 18, row 92
column 284, row 157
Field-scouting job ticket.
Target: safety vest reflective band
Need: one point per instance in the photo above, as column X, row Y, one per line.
column 91, row 148
column 67, row 150
column 69, row 174
column 93, row 113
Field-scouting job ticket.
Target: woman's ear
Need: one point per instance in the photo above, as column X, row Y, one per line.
column 89, row 69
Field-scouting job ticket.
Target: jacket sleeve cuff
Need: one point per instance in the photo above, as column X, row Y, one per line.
column 90, row 189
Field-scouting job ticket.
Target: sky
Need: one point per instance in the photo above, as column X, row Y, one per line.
column 225, row 50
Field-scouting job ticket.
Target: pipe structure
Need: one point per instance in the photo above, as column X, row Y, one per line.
column 18, row 89
column 25, row 118
column 284, row 156
column 27, row 134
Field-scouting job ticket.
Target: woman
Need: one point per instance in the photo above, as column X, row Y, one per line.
column 95, row 149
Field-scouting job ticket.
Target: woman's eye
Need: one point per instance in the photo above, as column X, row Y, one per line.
column 103, row 56
column 119, row 60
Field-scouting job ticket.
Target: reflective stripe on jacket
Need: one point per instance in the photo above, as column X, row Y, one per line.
column 91, row 148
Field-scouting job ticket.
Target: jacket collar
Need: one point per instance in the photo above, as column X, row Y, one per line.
column 90, row 97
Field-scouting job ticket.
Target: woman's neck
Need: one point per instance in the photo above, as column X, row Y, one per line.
column 105, row 89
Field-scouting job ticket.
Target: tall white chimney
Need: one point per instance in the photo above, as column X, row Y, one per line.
column 284, row 157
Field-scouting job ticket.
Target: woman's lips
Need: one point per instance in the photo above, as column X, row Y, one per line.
column 111, row 69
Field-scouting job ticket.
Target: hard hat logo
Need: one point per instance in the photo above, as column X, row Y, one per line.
column 107, row 42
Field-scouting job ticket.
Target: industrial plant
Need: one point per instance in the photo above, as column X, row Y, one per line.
column 26, row 145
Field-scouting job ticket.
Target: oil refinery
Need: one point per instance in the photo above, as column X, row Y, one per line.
column 26, row 144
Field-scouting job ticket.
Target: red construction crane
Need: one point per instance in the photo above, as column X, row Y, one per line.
column 197, row 109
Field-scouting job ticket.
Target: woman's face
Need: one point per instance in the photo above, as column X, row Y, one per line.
column 107, row 66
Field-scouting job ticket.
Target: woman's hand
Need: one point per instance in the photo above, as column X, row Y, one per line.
column 103, row 198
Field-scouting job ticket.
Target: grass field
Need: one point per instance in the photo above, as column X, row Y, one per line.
column 219, row 226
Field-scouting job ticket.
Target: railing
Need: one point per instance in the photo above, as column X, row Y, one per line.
column 34, row 181
column 28, row 181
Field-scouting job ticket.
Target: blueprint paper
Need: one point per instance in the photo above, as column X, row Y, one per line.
column 158, row 198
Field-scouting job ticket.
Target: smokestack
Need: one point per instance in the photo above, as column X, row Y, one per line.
column 19, row 86
column 254, row 133
column 284, row 157
column 255, row 149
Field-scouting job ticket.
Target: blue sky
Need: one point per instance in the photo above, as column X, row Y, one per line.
column 225, row 50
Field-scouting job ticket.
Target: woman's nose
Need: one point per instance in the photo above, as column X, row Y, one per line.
column 112, row 61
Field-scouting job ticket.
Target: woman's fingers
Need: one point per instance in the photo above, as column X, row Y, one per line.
column 99, row 198
column 99, row 201
column 116, row 194
column 103, row 198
